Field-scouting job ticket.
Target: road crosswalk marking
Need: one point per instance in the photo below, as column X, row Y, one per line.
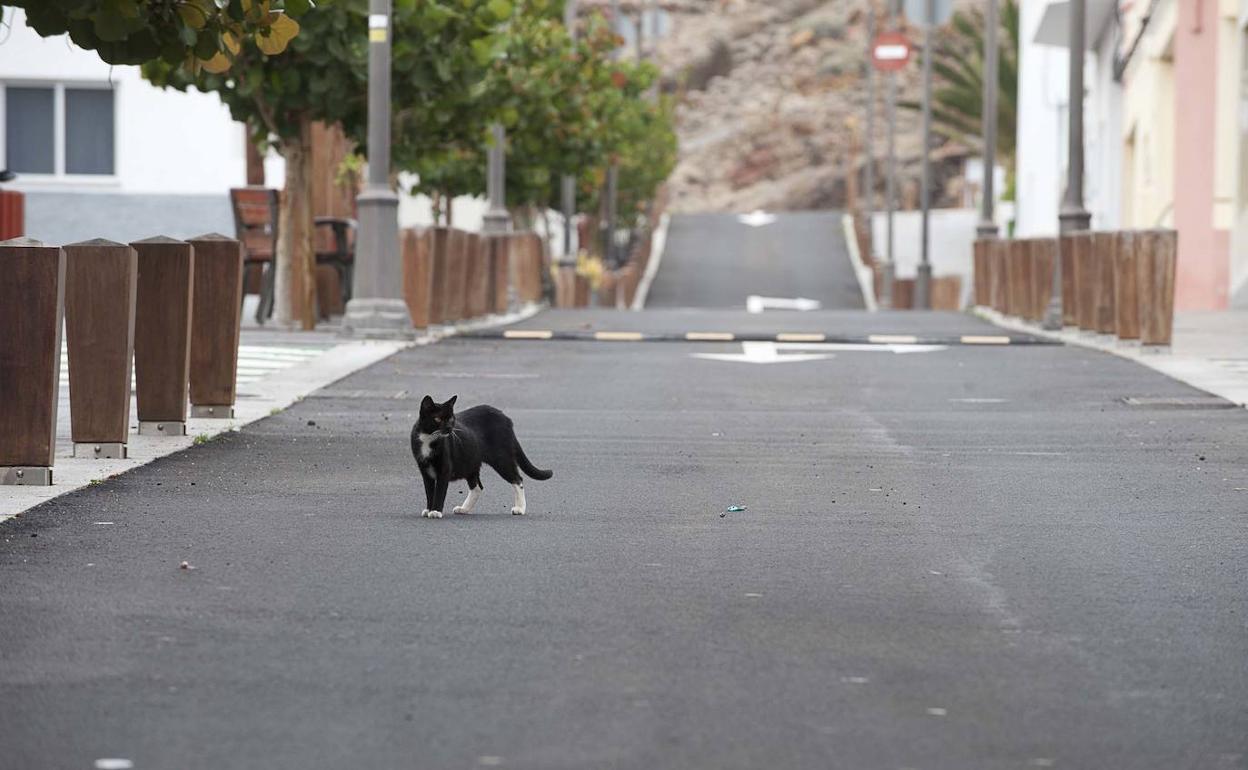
column 254, row 361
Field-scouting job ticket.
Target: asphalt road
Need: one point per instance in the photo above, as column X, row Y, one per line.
column 962, row 558
column 716, row 261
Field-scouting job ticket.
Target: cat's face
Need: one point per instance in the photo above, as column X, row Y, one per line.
column 435, row 417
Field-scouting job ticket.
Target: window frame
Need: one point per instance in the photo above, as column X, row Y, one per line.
column 59, row 177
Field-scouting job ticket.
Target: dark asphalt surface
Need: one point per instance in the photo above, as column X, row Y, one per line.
column 844, row 322
column 715, row 261
column 969, row 558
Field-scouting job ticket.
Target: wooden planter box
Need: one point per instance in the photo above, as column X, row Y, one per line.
column 32, row 303
column 215, row 325
column 1126, row 286
column 1155, row 271
column 101, row 282
column 162, row 334
column 477, row 277
column 1103, row 248
column 417, row 256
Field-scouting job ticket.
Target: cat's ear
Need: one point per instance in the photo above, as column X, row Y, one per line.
column 426, row 403
column 451, row 403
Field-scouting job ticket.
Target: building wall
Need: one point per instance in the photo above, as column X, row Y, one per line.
column 175, row 154
column 1041, row 142
column 1042, row 129
column 167, row 142
column 1233, row 116
column 1103, row 135
column 1149, row 121
column 1203, row 275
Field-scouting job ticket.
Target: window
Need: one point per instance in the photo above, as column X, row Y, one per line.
column 28, row 121
column 59, row 130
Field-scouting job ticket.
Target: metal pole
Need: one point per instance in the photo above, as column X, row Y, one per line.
column 1073, row 217
column 376, row 308
column 568, row 183
column 890, row 192
column 987, row 223
column 496, row 219
column 613, row 171
column 868, row 175
column 923, row 281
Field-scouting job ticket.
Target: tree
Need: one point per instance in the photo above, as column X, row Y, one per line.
column 568, row 109
column 199, row 33
column 322, row 76
column 958, row 63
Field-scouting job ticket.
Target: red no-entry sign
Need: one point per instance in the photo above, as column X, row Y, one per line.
column 890, row 52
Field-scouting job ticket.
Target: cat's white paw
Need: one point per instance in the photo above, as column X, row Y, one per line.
column 435, row 514
column 424, row 514
column 517, row 511
column 459, row 509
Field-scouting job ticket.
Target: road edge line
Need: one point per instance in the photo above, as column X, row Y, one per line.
column 658, row 244
column 861, row 271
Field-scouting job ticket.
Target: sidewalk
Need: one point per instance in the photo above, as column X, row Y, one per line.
column 275, row 369
column 1209, row 351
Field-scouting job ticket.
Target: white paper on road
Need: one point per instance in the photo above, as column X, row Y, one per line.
column 756, row 218
column 756, row 304
column 759, row 352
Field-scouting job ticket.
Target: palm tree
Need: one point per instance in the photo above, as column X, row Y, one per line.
column 957, row 101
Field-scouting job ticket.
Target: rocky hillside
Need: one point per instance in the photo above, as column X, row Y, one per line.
column 772, row 106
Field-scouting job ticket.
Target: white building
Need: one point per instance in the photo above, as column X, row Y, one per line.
column 102, row 153
column 1042, row 140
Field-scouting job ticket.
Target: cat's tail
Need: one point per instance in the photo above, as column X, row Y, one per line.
column 529, row 468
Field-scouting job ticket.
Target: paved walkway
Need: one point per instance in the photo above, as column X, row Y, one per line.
column 1209, row 350
column 275, row 369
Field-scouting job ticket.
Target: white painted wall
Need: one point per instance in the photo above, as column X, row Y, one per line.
column 166, row 142
column 1041, row 142
column 1103, row 151
column 952, row 233
column 1042, row 130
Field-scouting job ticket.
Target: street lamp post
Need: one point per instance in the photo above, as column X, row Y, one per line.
column 376, row 308
column 1073, row 216
column 987, row 224
column 496, row 219
column 923, row 280
column 568, row 183
column 890, row 185
column 868, row 180
column 613, row 171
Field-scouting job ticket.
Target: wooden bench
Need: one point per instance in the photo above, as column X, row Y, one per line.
column 257, row 213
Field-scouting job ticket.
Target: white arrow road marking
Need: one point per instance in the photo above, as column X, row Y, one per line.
column 761, row 353
column 756, row 218
column 757, row 304
column 754, row 352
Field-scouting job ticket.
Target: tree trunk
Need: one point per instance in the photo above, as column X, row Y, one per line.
column 296, row 262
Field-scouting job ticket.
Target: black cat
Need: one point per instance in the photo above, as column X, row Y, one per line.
column 449, row 447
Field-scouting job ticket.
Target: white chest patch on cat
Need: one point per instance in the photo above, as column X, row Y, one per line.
column 426, row 444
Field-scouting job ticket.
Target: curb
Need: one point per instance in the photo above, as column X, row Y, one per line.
column 657, row 247
column 865, row 275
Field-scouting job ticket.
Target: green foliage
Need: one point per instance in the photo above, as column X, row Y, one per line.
column 193, row 32
column 958, row 64
column 568, row 109
column 440, row 53
column 322, row 75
